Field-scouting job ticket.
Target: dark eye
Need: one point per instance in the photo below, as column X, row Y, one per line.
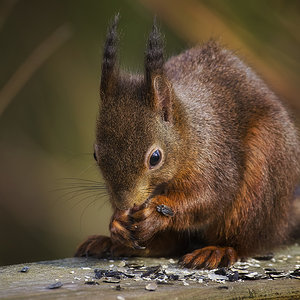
column 96, row 150
column 155, row 158
column 95, row 156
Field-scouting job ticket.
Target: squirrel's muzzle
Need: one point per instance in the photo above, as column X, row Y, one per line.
column 128, row 199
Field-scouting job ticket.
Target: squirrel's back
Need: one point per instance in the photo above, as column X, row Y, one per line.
column 247, row 147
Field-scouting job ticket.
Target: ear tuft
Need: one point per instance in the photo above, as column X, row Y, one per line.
column 154, row 58
column 109, row 71
column 162, row 92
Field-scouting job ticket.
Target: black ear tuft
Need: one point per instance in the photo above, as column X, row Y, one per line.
column 110, row 57
column 154, row 58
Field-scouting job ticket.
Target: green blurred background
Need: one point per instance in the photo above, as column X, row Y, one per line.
column 49, row 78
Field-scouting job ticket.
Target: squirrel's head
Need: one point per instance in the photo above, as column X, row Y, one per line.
column 137, row 135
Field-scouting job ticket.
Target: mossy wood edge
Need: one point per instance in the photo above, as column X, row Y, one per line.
column 74, row 272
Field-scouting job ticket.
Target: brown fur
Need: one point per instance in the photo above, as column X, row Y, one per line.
column 230, row 157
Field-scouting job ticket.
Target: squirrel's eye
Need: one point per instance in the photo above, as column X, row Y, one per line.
column 155, row 158
column 96, row 149
column 95, row 156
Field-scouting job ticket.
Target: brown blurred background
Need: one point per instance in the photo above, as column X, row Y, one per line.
column 49, row 78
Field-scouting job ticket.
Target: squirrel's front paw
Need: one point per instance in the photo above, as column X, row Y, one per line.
column 148, row 219
column 119, row 227
column 209, row 258
column 95, row 245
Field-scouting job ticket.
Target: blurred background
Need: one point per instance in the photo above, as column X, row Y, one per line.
column 49, row 78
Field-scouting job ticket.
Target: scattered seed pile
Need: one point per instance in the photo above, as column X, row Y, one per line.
column 167, row 274
column 122, row 274
column 150, row 274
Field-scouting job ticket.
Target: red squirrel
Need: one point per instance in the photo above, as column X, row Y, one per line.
column 199, row 156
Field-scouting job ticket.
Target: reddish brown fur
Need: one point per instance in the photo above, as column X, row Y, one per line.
column 231, row 159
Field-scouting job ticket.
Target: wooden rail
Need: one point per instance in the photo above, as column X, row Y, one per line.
column 140, row 278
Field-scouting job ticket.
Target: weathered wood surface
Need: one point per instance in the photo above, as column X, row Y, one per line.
column 74, row 272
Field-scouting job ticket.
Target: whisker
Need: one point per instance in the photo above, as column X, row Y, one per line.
column 80, row 179
column 78, row 190
column 84, row 198
column 75, row 193
column 78, row 187
column 76, row 184
column 82, row 213
column 86, row 169
column 104, row 203
column 91, row 193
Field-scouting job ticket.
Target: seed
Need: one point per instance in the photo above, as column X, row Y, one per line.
column 151, row 286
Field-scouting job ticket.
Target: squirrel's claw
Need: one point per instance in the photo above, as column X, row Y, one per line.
column 210, row 257
column 137, row 246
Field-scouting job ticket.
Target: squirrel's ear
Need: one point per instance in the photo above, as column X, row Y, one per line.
column 158, row 88
column 109, row 69
column 154, row 57
column 162, row 97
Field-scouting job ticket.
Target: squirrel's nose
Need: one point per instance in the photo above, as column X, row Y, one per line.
column 123, row 199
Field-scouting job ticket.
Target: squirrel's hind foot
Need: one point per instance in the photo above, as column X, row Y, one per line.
column 95, row 246
column 211, row 257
